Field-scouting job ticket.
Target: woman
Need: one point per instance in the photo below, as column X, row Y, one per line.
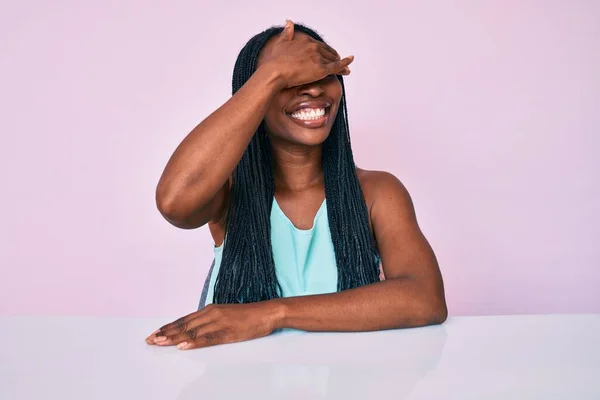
column 300, row 232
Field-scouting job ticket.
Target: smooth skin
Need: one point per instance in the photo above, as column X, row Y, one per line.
column 193, row 191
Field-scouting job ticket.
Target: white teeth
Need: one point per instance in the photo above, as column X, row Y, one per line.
column 309, row 113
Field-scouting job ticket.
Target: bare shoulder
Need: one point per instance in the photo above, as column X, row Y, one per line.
column 382, row 187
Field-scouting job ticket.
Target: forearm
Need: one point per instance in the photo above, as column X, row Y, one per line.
column 394, row 303
column 208, row 155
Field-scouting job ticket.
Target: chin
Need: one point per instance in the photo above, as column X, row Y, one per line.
column 308, row 137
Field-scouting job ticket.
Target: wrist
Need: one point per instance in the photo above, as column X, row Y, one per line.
column 273, row 77
column 276, row 311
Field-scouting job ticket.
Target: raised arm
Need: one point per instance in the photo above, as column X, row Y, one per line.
column 193, row 187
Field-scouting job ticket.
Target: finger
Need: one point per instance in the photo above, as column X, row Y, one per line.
column 191, row 334
column 181, row 326
column 331, row 50
column 178, row 322
column 288, row 31
column 345, row 71
column 328, row 55
column 175, row 325
column 211, row 337
column 185, row 329
column 150, row 339
column 337, row 66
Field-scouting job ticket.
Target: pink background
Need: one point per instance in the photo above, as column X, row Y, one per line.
column 487, row 111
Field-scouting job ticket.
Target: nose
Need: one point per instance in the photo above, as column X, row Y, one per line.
column 313, row 89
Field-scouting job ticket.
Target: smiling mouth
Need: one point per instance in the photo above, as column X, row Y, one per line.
column 310, row 117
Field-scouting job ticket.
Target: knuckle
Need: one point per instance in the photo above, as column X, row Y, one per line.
column 214, row 337
column 164, row 332
column 211, row 310
column 209, row 337
column 192, row 333
column 181, row 325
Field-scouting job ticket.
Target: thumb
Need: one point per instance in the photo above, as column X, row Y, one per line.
column 288, row 31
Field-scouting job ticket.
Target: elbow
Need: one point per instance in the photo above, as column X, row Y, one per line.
column 166, row 202
column 435, row 310
column 429, row 314
column 168, row 210
column 431, row 310
column 170, row 207
column 179, row 210
column 428, row 304
column 438, row 314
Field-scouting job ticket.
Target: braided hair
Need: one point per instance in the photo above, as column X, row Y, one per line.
column 247, row 271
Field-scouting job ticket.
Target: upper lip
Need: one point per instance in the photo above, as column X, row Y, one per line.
column 312, row 103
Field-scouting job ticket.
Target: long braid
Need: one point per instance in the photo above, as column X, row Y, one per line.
column 247, row 272
column 355, row 253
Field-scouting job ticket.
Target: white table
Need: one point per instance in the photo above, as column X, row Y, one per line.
column 508, row 357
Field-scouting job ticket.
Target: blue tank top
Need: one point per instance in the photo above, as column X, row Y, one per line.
column 304, row 259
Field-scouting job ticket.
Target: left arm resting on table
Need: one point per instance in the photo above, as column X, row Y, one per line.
column 412, row 293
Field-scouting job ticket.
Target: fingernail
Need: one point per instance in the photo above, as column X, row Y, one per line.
column 182, row 345
column 160, row 339
column 351, row 57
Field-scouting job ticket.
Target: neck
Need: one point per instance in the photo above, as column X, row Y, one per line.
column 297, row 169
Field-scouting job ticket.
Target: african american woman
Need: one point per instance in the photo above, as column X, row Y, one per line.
column 303, row 238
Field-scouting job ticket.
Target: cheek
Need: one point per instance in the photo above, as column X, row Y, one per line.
column 275, row 116
column 335, row 91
